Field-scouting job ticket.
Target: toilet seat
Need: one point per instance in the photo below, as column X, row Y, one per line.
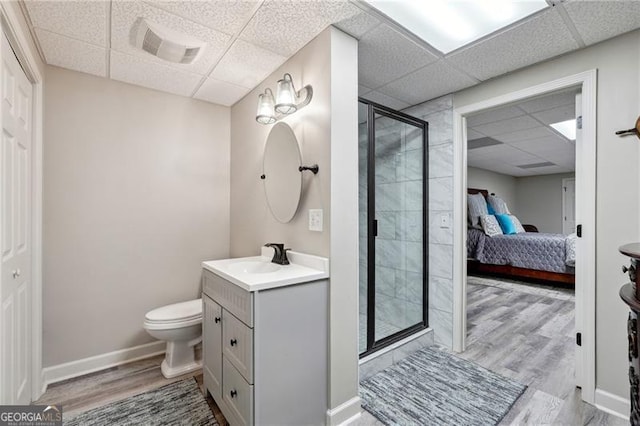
column 177, row 315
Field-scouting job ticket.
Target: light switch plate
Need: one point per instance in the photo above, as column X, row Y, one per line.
column 315, row 220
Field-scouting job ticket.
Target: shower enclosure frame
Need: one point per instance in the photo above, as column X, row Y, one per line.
column 373, row 345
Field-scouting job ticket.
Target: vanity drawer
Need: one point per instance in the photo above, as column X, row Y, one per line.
column 237, row 344
column 238, row 394
column 233, row 298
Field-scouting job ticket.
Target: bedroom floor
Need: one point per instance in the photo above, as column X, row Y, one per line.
column 526, row 332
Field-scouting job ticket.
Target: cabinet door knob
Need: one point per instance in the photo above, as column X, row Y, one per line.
column 233, row 342
column 233, row 393
column 217, row 319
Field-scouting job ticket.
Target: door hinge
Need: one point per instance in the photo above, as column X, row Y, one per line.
column 375, row 228
column 579, row 123
column 579, row 231
column 579, row 339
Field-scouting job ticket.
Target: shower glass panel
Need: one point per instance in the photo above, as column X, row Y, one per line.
column 394, row 222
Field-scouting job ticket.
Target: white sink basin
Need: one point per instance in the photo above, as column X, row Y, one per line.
column 254, row 267
column 257, row 273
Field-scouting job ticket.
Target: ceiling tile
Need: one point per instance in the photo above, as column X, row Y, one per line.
column 533, row 40
column 549, row 101
column 69, row 53
column 540, row 145
column 134, row 70
column 221, row 15
column 126, row 14
column 362, row 90
column 555, row 115
column 385, row 100
column 357, row 25
column 246, row 65
column 474, row 134
column 220, row 92
column 494, row 115
column 600, row 20
column 82, row 20
column 385, row 55
column 428, row 83
column 284, row 26
column 521, row 135
column 507, row 126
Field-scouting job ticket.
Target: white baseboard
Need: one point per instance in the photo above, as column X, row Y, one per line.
column 344, row 413
column 613, row 404
column 69, row 370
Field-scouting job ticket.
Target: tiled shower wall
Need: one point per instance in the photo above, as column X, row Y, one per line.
column 439, row 114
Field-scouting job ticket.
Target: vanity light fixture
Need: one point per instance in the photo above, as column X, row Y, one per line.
column 287, row 101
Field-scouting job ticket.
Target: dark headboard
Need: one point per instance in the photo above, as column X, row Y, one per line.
column 472, row 191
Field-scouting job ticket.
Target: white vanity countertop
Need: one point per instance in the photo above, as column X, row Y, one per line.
column 302, row 268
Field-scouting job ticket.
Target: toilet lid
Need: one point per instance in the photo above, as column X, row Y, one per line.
column 176, row 312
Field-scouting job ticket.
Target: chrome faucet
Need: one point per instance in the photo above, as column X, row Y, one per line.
column 280, row 253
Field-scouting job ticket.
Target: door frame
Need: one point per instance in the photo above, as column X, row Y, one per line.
column 564, row 201
column 13, row 25
column 585, row 215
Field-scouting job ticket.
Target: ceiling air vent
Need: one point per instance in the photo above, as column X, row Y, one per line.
column 537, row 165
column 167, row 44
column 482, row 142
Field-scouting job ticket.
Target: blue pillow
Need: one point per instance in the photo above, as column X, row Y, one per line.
column 507, row 225
column 490, row 209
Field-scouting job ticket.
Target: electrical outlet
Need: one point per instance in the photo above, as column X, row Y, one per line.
column 444, row 220
column 315, row 220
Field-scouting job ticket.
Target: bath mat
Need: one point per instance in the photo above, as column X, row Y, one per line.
column 436, row 388
column 180, row 403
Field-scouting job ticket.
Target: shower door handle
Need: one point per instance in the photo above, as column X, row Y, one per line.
column 375, row 227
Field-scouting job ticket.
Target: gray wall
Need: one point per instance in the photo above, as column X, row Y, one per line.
column 327, row 133
column 503, row 186
column 617, row 212
column 136, row 195
column 535, row 200
column 539, row 201
column 439, row 114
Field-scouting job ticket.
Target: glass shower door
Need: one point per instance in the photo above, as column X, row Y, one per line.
column 396, row 213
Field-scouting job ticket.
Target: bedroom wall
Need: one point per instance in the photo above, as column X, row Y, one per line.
column 539, row 201
column 503, row 186
column 617, row 212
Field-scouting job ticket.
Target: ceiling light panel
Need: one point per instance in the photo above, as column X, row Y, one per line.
column 127, row 15
column 567, row 128
column 448, row 25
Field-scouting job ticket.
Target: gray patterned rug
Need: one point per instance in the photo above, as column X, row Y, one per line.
column 433, row 387
column 180, row 403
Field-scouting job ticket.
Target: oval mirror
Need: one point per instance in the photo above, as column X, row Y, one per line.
column 283, row 180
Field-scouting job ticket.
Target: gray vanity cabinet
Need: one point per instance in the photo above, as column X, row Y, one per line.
column 265, row 352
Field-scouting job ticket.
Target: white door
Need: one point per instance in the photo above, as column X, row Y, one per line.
column 568, row 206
column 15, row 231
column 580, row 248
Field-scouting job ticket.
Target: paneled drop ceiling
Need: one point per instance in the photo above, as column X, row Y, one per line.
column 248, row 39
column 517, row 140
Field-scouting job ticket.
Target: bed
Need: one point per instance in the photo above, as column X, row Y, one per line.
column 528, row 255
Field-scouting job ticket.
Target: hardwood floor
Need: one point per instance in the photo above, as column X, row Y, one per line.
column 107, row 386
column 522, row 331
column 526, row 332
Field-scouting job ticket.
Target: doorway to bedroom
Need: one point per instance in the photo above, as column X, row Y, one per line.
column 520, row 243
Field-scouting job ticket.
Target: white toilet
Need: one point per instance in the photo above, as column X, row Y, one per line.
column 180, row 325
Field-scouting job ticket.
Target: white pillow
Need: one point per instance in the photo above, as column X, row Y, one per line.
column 477, row 206
column 490, row 225
column 498, row 204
